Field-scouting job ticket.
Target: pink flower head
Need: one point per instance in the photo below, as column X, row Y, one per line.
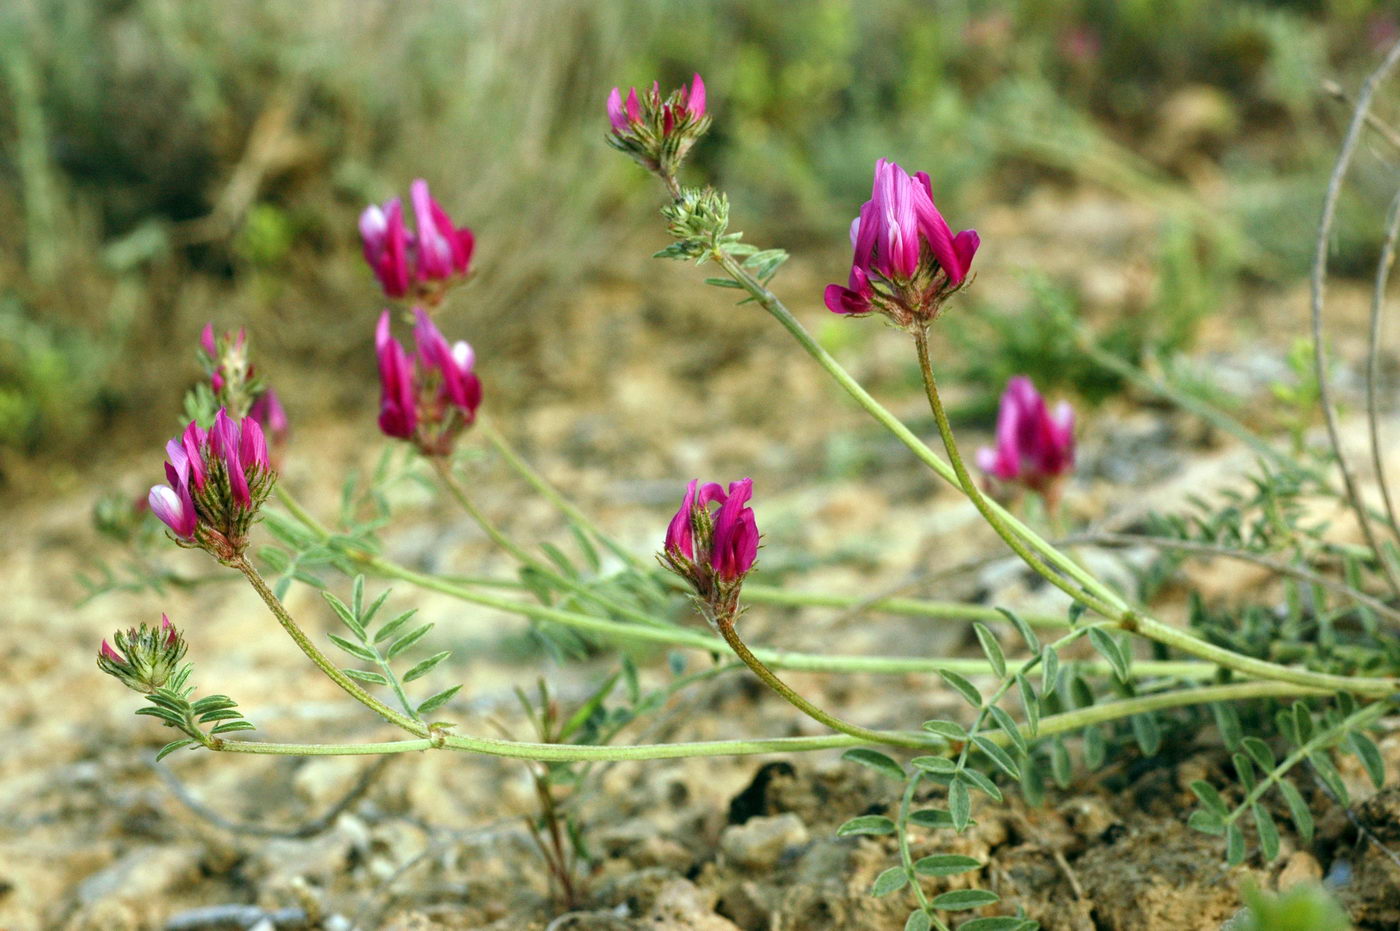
column 226, row 360
column 658, row 131
column 736, row 533
column 217, row 481
column 269, row 414
column 424, row 264
column 452, row 363
column 109, row 654
column 175, row 508
column 679, row 535
column 428, row 397
column 397, row 403
column 385, row 242
column 167, row 629
column 695, row 104
column 713, row 549
column 907, row 260
column 1035, row 447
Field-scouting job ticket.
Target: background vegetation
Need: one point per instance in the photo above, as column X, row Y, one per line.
column 165, row 162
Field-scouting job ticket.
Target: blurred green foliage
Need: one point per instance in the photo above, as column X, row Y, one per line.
column 1305, row 907
column 172, row 161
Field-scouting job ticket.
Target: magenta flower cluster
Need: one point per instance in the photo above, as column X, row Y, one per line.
column 713, row 550
column 658, row 131
column 237, row 387
column 1035, row 447
column 419, row 265
column 429, row 397
column 217, row 480
column 907, row 260
column 144, row 658
column 684, row 104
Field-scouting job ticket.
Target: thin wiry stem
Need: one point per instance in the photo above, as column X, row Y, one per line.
column 979, row 500
column 1382, row 128
column 1199, row 548
column 1124, row 616
column 311, row 828
column 551, row 494
column 725, row 625
column 1373, row 357
column 521, row 750
column 525, row 558
column 1318, row 287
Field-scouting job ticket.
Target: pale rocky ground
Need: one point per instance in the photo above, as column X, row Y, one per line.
column 627, row 399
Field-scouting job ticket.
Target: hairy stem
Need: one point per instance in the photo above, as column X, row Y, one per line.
column 692, row 639
column 906, row 859
column 770, row 302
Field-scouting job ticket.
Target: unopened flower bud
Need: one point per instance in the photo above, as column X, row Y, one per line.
column 143, row 658
column 227, row 362
column 713, row 550
column 120, row 516
column 218, row 479
column 430, row 397
column 1035, row 447
column 697, row 219
column 907, row 260
column 420, row 265
column 658, row 132
column 269, row 414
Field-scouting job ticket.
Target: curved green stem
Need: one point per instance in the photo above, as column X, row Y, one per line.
column 1124, row 615
column 676, row 636
column 725, row 625
column 770, row 302
column 333, row 672
column 551, row 494
column 524, row 557
column 979, row 500
column 545, row 752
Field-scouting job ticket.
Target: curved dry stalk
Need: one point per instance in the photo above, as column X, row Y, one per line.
column 1199, row 548
column 1318, row 285
column 1373, row 354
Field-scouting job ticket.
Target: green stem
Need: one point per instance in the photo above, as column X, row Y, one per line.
column 546, row 752
column 551, row 494
column 322, row 662
column 979, row 500
column 675, row 636
column 1357, row 719
column 906, row 607
column 521, row 555
column 906, row 859
column 725, row 625
column 1125, row 617
column 769, row 302
column 692, row 639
